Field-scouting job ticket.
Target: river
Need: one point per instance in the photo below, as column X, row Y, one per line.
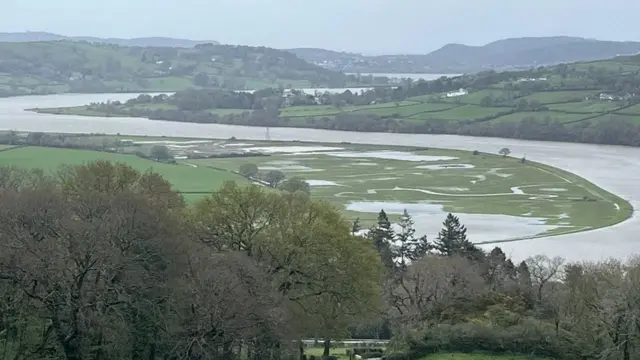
column 614, row 168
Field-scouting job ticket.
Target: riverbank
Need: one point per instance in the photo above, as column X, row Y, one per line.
column 550, row 116
column 613, row 168
column 486, row 191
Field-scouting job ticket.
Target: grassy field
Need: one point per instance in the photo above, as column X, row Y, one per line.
column 436, row 181
column 563, row 106
column 184, row 178
column 488, row 189
column 541, row 115
column 554, row 97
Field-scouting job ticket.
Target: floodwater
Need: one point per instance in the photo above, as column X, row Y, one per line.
column 428, row 219
column 614, row 168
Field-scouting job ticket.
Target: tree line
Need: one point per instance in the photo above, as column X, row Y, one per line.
column 613, row 130
column 100, row 261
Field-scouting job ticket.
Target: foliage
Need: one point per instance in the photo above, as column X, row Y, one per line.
column 295, row 184
column 274, row 177
column 109, row 263
column 452, row 239
column 248, row 170
column 159, row 152
column 504, row 152
column 75, row 66
column 582, row 102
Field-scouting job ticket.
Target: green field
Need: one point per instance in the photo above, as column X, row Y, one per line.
column 476, row 97
column 184, row 178
column 362, row 179
column 466, row 112
column 541, row 115
column 633, row 119
column 552, row 97
column 632, row 110
column 587, row 107
column 562, row 107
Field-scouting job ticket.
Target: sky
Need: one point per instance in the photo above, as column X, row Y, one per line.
column 364, row 26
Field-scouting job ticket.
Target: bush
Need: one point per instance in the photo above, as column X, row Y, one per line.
column 529, row 337
column 330, row 357
column 364, row 350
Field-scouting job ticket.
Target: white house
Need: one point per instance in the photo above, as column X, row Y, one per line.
column 460, row 92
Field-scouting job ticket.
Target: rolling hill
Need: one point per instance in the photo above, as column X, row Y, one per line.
column 459, row 58
column 34, row 36
column 592, row 102
column 72, row 66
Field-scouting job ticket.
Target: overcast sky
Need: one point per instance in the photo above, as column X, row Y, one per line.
column 369, row 26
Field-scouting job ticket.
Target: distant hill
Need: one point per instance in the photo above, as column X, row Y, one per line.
column 143, row 41
column 40, row 67
column 457, row 58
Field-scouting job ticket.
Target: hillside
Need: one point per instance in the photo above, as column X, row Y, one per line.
column 30, row 36
column 592, row 102
column 498, row 55
column 68, row 66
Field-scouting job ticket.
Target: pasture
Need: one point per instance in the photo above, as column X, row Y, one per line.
column 487, row 191
column 184, row 178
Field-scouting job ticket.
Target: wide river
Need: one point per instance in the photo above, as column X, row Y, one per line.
column 614, row 168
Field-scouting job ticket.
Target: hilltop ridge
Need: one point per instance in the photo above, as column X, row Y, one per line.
column 511, row 53
column 74, row 66
column 154, row 41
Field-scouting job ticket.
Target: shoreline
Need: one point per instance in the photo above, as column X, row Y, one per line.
column 610, row 167
column 627, row 209
column 82, row 111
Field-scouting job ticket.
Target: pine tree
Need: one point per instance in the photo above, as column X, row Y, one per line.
column 525, row 286
column 452, row 239
column 355, row 227
column 382, row 236
column 407, row 247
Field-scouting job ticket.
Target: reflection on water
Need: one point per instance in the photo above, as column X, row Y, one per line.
column 614, row 168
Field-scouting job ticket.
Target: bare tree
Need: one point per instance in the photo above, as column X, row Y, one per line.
column 435, row 285
column 543, row 270
column 84, row 263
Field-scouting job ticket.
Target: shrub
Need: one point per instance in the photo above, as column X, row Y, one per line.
column 529, row 337
column 364, row 350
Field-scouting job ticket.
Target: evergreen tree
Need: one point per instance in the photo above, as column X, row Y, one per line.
column 355, row 227
column 452, row 239
column 525, row 286
column 382, row 236
column 407, row 247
